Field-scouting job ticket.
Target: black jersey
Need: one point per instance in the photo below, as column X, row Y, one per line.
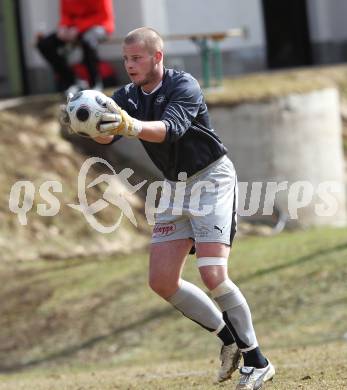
column 190, row 144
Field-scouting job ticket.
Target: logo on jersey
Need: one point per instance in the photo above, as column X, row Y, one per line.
column 160, row 99
column 133, row 103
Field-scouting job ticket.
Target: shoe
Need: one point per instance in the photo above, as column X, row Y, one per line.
column 230, row 357
column 253, row 378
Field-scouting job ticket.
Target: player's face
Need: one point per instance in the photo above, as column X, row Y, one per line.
column 142, row 67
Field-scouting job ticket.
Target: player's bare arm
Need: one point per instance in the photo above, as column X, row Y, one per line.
column 154, row 131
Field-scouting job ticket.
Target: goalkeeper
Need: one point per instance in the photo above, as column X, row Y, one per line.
column 165, row 110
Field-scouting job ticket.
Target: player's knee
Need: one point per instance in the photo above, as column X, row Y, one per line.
column 226, row 287
column 213, row 270
column 162, row 286
column 212, row 280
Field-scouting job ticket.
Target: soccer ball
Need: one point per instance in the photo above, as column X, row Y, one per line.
column 85, row 110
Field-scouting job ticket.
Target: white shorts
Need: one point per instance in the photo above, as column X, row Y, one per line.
column 202, row 208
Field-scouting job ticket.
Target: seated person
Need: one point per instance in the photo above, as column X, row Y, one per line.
column 83, row 22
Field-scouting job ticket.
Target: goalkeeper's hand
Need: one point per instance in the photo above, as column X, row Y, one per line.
column 119, row 122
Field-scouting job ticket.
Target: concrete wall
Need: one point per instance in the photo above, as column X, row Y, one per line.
column 38, row 16
column 239, row 55
column 296, row 138
column 191, row 17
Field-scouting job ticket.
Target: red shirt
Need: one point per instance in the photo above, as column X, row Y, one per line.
column 84, row 14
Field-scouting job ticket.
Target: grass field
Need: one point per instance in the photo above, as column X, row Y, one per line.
column 309, row 368
column 94, row 324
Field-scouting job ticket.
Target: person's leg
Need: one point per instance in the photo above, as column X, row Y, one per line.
column 49, row 48
column 90, row 41
column 166, row 263
column 212, row 263
column 236, row 312
column 212, row 276
column 171, row 242
column 214, row 232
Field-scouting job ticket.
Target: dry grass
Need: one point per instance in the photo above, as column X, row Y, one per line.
column 301, row 368
column 37, row 153
column 263, row 86
column 96, row 325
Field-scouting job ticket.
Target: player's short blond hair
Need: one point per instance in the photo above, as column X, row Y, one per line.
column 150, row 38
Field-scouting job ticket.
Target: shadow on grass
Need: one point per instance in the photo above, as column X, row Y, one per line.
column 289, row 264
column 74, row 262
column 154, row 314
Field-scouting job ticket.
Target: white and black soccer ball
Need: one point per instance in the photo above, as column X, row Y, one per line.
column 85, row 110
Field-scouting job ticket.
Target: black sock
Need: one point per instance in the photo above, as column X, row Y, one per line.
column 226, row 336
column 254, row 358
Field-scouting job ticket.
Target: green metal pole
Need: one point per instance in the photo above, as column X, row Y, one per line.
column 11, row 48
column 218, row 64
